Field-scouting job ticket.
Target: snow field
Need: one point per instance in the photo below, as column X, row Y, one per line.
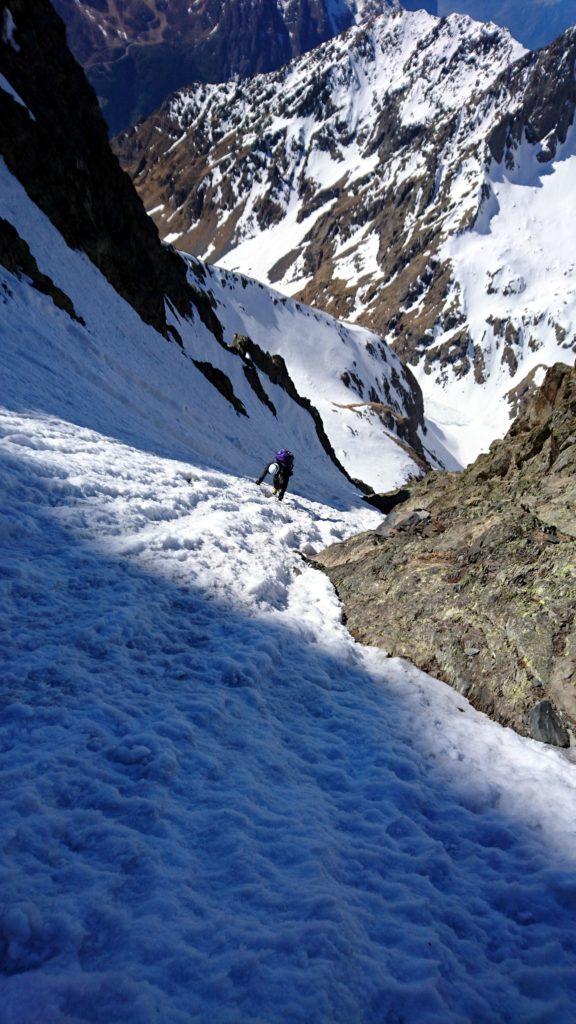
column 215, row 806
column 318, row 351
column 517, row 264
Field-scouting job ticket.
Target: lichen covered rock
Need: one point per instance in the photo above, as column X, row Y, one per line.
column 473, row 578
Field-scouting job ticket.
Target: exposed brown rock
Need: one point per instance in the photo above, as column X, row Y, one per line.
column 138, row 51
column 473, row 578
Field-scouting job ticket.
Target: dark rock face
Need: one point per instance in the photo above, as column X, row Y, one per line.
column 62, row 158
column 15, row 255
column 545, row 725
column 473, row 578
column 137, row 52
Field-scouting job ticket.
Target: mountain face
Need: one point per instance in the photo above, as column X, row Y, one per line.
column 137, row 52
column 84, row 272
column 473, row 578
column 415, row 176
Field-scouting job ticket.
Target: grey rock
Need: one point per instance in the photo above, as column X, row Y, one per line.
column 545, row 725
column 399, row 521
column 462, row 579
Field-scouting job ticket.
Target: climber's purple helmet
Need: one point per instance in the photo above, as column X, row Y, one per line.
column 283, row 455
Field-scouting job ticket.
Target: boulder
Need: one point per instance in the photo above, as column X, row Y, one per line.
column 544, row 724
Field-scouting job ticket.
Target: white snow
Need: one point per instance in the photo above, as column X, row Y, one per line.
column 258, row 253
column 318, row 351
column 517, row 264
column 8, row 29
column 214, row 805
column 5, row 85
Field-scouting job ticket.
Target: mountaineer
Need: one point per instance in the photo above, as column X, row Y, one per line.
column 281, row 470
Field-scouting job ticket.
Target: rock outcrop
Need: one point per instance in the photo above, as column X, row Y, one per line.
column 473, row 578
column 54, row 142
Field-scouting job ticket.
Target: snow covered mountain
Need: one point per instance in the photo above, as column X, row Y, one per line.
column 137, row 52
column 416, row 176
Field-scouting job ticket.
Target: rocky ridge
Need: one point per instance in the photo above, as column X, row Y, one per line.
column 373, row 178
column 535, row 24
column 137, row 52
column 53, row 140
column 473, row 577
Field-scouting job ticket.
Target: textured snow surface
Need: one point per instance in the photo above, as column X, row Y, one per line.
column 214, row 805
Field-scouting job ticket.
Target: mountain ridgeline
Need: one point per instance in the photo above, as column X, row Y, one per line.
column 137, row 52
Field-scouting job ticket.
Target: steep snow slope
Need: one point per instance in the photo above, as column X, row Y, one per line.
column 214, row 805
column 369, row 406
column 514, row 276
column 37, row 332
column 318, row 350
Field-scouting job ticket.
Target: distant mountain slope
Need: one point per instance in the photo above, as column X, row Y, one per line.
column 348, row 179
column 329, row 140
column 138, row 52
column 87, row 283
